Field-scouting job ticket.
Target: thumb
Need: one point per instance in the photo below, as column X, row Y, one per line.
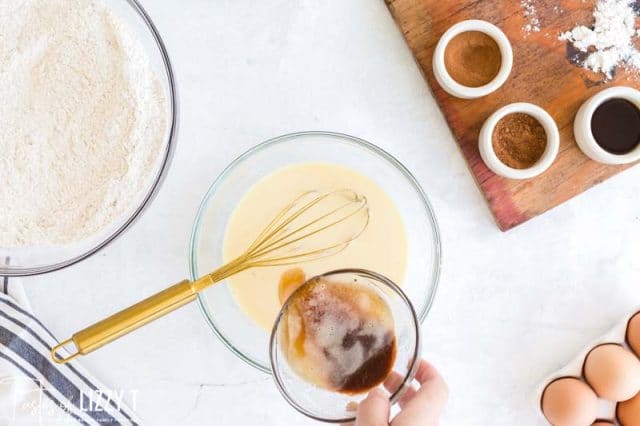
column 373, row 410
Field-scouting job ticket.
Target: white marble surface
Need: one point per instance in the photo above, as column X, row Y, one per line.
column 511, row 307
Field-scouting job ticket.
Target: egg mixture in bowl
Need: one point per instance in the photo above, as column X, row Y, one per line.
column 401, row 240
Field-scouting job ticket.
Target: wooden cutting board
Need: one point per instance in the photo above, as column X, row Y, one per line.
column 542, row 74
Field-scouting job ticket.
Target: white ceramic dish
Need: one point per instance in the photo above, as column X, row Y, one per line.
column 453, row 87
column 607, row 409
column 582, row 126
column 489, row 156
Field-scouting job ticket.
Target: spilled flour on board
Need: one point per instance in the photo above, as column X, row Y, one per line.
column 530, row 13
column 533, row 21
column 609, row 42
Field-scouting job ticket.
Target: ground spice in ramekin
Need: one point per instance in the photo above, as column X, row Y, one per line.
column 519, row 140
column 473, row 58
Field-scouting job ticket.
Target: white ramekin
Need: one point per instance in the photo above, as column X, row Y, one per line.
column 492, row 161
column 453, row 87
column 582, row 126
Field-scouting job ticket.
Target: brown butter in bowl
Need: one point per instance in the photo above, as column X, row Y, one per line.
column 339, row 336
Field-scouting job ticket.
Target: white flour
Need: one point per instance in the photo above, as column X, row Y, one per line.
column 533, row 21
column 82, row 120
column 610, row 42
column 531, row 15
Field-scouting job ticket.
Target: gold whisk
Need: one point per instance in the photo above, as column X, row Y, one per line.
column 313, row 226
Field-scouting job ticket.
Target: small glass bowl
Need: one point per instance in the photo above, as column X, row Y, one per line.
column 235, row 329
column 334, row 407
column 24, row 261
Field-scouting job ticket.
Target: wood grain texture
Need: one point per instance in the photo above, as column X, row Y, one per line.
column 542, row 74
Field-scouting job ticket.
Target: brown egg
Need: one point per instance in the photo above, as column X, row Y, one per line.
column 602, row 423
column 633, row 333
column 569, row 402
column 613, row 372
column 628, row 412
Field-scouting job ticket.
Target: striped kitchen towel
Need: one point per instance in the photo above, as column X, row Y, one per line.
column 33, row 389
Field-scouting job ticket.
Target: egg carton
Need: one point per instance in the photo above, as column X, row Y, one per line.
column 574, row 368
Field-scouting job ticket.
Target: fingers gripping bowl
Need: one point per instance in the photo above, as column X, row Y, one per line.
column 243, row 336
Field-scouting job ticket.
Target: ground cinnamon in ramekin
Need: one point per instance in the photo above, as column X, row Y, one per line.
column 473, row 58
column 519, row 140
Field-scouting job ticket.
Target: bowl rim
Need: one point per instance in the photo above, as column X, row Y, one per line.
column 195, row 233
column 167, row 156
column 411, row 371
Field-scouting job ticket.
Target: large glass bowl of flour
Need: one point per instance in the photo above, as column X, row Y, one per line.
column 87, row 127
column 367, row 169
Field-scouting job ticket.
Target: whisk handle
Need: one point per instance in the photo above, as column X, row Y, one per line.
column 127, row 320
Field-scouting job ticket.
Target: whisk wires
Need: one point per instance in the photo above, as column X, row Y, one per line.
column 311, row 227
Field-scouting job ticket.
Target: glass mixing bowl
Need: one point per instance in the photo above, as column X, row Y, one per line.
column 328, row 406
column 22, row 261
column 238, row 332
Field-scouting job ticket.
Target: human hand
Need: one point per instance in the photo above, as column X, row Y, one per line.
column 419, row 407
